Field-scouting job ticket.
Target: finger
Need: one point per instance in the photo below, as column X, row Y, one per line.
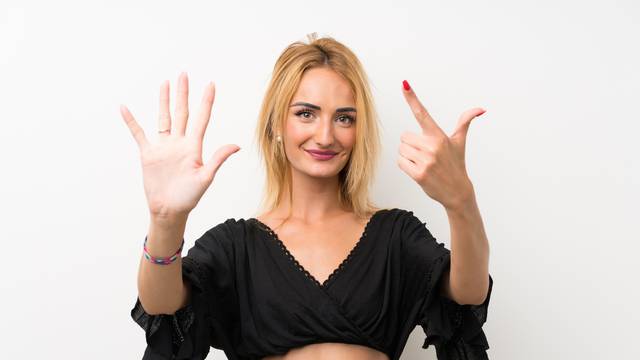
column 421, row 114
column 414, row 140
column 136, row 130
column 205, row 111
column 408, row 167
column 182, row 105
column 164, row 118
column 211, row 167
column 465, row 120
column 412, row 154
column 459, row 136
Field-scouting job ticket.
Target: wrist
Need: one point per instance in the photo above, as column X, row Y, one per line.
column 165, row 234
column 168, row 221
column 464, row 204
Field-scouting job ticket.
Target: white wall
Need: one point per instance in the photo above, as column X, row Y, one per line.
column 553, row 161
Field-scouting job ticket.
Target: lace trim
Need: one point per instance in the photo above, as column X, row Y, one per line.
column 301, row 268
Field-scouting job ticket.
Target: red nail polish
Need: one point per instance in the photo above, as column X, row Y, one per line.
column 405, row 84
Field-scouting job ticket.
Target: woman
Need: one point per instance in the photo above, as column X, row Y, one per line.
column 321, row 273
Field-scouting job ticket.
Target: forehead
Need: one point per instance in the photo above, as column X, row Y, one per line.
column 323, row 86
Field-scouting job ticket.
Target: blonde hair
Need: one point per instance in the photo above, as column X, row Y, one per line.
column 358, row 173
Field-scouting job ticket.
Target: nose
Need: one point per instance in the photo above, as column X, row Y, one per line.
column 324, row 132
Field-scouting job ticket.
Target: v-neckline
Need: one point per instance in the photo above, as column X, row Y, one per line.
column 325, row 284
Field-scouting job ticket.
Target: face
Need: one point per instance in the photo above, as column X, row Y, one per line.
column 321, row 118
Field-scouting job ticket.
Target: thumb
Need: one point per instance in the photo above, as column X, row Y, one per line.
column 220, row 156
column 459, row 137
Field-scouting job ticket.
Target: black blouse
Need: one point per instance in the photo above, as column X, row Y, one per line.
column 251, row 298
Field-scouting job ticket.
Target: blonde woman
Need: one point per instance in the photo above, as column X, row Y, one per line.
column 321, row 273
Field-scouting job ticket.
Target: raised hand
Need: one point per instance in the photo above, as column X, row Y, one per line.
column 174, row 175
column 434, row 160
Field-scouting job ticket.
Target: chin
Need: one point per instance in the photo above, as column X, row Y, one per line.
column 322, row 175
column 323, row 172
column 319, row 170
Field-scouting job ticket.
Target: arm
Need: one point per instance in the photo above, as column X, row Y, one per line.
column 160, row 287
column 436, row 161
column 467, row 282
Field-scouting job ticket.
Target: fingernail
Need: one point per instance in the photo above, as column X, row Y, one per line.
column 405, row 84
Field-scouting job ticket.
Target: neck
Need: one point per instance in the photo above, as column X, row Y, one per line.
column 314, row 198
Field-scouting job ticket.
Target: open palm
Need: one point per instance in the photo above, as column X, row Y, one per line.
column 174, row 176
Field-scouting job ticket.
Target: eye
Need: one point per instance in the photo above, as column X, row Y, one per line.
column 302, row 112
column 350, row 119
column 306, row 113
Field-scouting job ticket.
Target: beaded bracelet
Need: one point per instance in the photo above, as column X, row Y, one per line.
column 161, row 260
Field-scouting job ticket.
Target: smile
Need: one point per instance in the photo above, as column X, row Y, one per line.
column 322, row 157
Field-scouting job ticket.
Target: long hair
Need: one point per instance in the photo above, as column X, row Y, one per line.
column 358, row 173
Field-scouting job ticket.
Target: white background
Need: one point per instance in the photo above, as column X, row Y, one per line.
column 553, row 160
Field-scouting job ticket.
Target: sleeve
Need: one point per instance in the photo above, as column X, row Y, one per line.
column 454, row 329
column 190, row 332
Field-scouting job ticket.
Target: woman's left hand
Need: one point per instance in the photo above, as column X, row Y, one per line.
column 434, row 160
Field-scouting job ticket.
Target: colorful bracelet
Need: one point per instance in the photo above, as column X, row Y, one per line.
column 161, row 260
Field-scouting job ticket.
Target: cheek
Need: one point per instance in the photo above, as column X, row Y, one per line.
column 296, row 132
column 348, row 138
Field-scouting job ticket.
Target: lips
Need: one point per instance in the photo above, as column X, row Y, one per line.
column 320, row 152
column 321, row 155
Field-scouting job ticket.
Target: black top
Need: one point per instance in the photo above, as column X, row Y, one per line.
column 252, row 299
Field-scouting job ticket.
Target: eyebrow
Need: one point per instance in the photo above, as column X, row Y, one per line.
column 342, row 109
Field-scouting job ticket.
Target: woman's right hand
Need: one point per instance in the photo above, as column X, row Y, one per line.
column 174, row 175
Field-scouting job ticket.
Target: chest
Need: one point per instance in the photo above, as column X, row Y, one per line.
column 335, row 271
column 320, row 250
column 305, row 285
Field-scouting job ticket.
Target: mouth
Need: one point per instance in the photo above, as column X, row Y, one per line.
column 321, row 155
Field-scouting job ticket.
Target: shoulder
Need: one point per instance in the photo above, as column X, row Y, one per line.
column 400, row 219
column 227, row 233
column 408, row 228
column 399, row 226
column 390, row 213
column 229, row 226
